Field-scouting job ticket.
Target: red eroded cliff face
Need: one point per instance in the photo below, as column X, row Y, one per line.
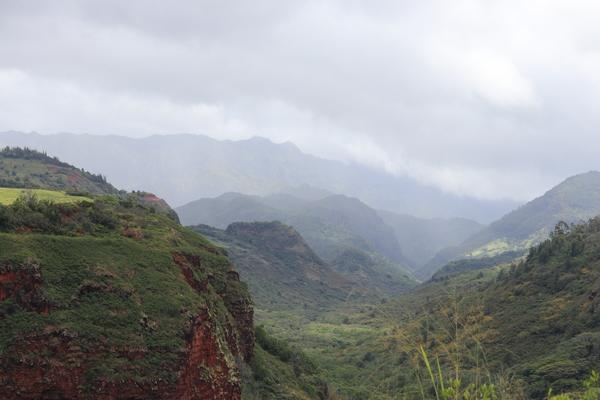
column 53, row 363
column 207, row 374
column 240, row 335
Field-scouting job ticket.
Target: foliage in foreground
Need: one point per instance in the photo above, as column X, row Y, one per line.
column 591, row 390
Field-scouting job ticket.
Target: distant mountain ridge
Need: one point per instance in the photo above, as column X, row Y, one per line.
column 182, row 168
column 330, row 225
column 342, row 230
column 575, row 200
column 283, row 272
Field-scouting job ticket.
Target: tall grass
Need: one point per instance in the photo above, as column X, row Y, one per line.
column 454, row 388
column 452, row 381
column 456, row 367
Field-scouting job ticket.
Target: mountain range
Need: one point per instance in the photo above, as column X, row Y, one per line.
column 297, row 294
column 339, row 228
column 574, row 200
column 283, row 272
column 183, row 168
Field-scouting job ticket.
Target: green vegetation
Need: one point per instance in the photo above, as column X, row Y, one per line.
column 471, row 264
column 575, row 200
column 110, row 278
column 9, row 195
column 591, row 390
column 280, row 371
column 25, row 168
column 535, row 320
column 514, row 331
column 281, row 270
column 302, row 301
column 29, row 214
column 115, row 283
column 284, row 274
column 344, row 233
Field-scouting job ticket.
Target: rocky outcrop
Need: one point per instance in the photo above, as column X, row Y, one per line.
column 59, row 369
column 241, row 335
column 242, row 310
column 53, row 364
column 207, row 372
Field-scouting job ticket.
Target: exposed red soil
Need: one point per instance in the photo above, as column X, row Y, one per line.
column 53, row 365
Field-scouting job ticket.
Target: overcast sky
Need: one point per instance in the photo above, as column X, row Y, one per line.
column 484, row 98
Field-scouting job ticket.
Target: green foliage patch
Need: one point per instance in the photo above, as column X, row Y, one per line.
column 10, row 195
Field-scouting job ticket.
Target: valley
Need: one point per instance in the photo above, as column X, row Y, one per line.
column 299, row 200
column 309, row 295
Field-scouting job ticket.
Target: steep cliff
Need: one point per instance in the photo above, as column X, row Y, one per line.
column 109, row 299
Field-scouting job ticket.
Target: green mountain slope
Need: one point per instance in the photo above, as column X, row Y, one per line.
column 342, row 231
column 523, row 328
column 23, row 168
column 537, row 319
column 574, row 200
column 282, row 272
column 55, row 180
column 109, row 297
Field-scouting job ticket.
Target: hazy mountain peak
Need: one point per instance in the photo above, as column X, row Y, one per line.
column 184, row 167
column 574, row 183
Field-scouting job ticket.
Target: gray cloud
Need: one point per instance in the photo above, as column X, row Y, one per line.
column 486, row 99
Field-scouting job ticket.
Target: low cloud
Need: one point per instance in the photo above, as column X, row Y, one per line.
column 485, row 99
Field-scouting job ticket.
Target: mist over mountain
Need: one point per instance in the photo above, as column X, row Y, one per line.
column 183, row 168
column 575, row 200
column 338, row 227
column 300, row 200
column 331, row 225
column 421, row 239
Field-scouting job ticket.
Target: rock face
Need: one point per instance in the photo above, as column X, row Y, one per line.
column 52, row 365
column 207, row 373
column 64, row 374
column 160, row 316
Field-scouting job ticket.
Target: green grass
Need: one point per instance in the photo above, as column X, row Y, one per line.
column 100, row 286
column 22, row 168
column 9, row 195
